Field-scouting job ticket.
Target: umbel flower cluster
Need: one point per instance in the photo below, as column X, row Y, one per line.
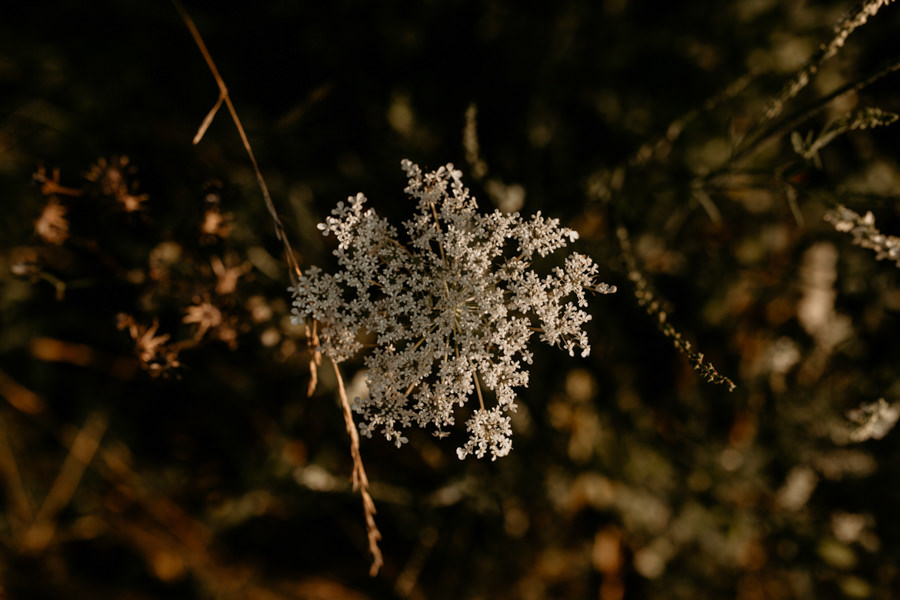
column 450, row 309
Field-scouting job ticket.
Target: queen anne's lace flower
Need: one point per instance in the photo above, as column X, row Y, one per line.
column 450, row 311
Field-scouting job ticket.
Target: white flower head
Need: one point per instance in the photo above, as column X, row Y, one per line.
column 451, row 310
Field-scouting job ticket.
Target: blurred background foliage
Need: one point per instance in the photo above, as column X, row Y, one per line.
column 156, row 439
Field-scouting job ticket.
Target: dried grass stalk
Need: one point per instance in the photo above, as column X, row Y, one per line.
column 359, row 478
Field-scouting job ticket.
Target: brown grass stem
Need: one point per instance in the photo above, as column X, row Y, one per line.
column 280, row 233
column 359, row 478
column 81, row 453
column 17, row 498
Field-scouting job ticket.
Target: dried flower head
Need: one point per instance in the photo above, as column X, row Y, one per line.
column 51, row 186
column 451, row 310
column 52, row 226
column 215, row 224
column 153, row 351
column 227, row 277
column 114, row 179
column 205, row 315
column 873, row 420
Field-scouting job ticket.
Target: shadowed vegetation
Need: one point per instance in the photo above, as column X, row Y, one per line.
column 166, row 431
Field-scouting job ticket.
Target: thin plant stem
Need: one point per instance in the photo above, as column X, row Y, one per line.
column 80, row 455
column 780, row 128
column 359, row 478
column 224, row 97
column 477, row 385
column 17, row 498
column 655, row 308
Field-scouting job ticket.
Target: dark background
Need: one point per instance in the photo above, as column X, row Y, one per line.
column 630, row 475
